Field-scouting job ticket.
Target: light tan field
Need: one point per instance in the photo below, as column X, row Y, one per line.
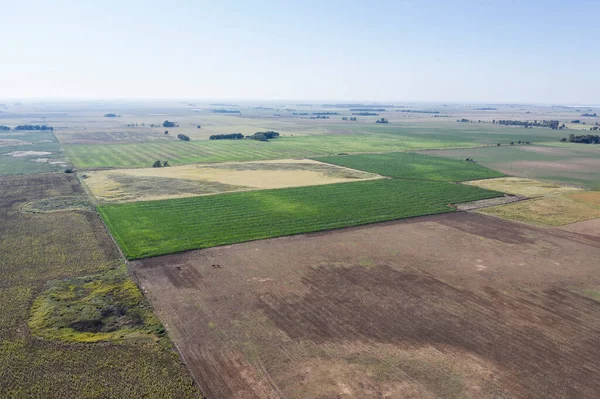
column 591, row 198
column 521, row 186
column 552, row 210
column 128, row 185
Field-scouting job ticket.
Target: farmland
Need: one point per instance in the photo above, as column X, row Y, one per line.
column 572, row 164
column 144, row 154
column 407, row 165
column 152, row 228
column 30, row 152
column 144, row 184
column 446, row 306
column 41, row 248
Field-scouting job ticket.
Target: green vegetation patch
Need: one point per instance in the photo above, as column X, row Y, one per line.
column 407, row 165
column 177, row 153
column 107, row 307
column 53, row 204
column 30, row 152
column 145, row 229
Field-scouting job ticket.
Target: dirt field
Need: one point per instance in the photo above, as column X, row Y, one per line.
column 455, row 305
column 126, row 185
column 521, row 186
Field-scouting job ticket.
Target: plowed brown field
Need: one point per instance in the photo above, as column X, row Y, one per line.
column 447, row 306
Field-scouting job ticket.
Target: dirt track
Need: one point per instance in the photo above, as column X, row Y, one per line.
column 445, row 306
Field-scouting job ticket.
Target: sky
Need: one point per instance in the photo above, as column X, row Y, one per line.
column 466, row 51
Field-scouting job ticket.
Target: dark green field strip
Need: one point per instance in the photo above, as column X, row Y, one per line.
column 145, row 229
column 408, row 165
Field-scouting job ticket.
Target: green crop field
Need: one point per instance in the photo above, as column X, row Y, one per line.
column 409, row 165
column 30, row 152
column 178, row 152
column 152, row 228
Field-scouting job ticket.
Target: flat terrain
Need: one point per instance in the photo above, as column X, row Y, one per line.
column 574, row 164
column 521, row 186
column 151, row 228
column 23, row 152
column 144, row 184
column 550, row 210
column 178, row 152
column 39, row 247
column 446, row 306
column 408, row 165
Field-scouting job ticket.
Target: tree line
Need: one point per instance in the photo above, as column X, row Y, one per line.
column 33, row 127
column 584, row 139
column 552, row 124
column 260, row 136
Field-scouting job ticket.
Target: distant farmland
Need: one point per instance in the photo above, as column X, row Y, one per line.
column 407, row 165
column 153, row 228
column 144, row 154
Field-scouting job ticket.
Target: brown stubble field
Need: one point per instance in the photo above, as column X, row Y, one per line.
column 40, row 247
column 456, row 305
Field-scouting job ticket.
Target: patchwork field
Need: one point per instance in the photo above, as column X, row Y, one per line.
column 151, row 228
column 144, row 154
column 64, row 265
column 447, row 306
column 521, row 186
column 407, row 165
column 574, row 164
column 127, row 185
column 551, row 210
column 30, row 152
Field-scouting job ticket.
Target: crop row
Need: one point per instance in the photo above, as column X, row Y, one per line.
column 145, row 229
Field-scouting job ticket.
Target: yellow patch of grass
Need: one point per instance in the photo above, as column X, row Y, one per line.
column 521, row 186
column 126, row 185
column 550, row 211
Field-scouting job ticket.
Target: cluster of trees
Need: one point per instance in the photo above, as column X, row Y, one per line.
column 260, row 136
column 552, row 124
column 352, row 118
column 226, row 111
column 519, row 142
column 111, row 115
column 170, row 124
column 325, row 113
column 381, row 120
column 33, row 127
column 4, row 128
column 315, row 117
column 183, row 137
column 232, row 136
column 368, row 109
column 264, row 136
column 159, row 164
column 365, row 113
column 464, row 120
column 585, row 139
column 300, row 113
column 470, row 160
column 588, row 114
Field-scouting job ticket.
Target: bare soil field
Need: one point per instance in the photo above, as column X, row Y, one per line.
column 127, row 185
column 455, row 305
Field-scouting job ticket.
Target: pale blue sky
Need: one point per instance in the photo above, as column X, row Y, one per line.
column 496, row 51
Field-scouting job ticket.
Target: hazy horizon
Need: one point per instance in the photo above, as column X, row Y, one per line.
column 465, row 52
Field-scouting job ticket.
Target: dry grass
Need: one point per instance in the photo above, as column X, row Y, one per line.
column 128, row 185
column 554, row 210
column 591, row 198
column 521, row 186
